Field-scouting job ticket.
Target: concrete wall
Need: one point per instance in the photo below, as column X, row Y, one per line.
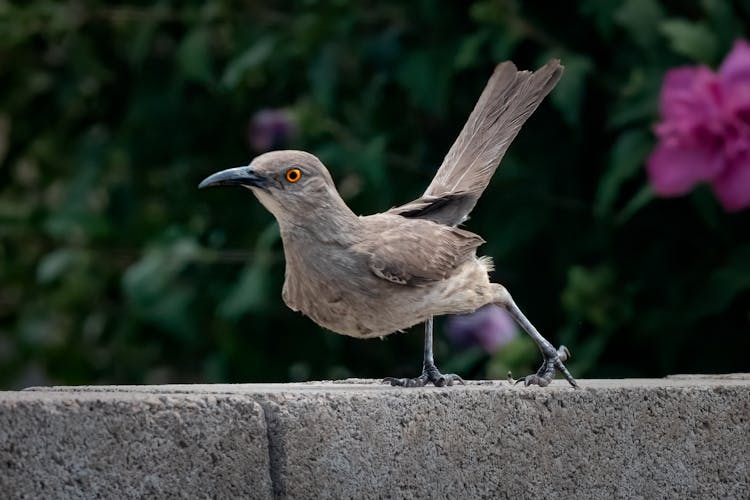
column 681, row 437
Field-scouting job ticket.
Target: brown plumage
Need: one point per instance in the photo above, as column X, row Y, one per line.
column 373, row 275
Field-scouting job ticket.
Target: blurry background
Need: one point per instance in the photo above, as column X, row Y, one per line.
column 115, row 268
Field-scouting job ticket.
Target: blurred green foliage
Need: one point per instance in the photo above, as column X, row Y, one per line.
column 114, row 268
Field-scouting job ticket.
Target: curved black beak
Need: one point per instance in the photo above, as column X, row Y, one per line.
column 240, row 176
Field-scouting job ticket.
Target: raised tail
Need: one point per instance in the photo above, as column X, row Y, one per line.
column 509, row 98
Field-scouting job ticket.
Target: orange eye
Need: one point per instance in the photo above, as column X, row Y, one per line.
column 293, row 175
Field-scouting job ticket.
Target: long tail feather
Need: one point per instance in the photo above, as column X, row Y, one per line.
column 509, row 98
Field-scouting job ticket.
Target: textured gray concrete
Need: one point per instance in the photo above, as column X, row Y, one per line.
column 135, row 445
column 680, row 437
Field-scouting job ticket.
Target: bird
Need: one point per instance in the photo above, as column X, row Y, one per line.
column 370, row 276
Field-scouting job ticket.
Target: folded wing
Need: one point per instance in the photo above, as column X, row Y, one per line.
column 418, row 252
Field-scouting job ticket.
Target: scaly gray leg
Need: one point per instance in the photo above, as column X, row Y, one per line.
column 430, row 373
column 553, row 358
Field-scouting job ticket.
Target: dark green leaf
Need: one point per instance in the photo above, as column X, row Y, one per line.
column 691, row 39
column 570, row 92
column 641, row 20
column 194, row 56
column 626, row 159
column 249, row 60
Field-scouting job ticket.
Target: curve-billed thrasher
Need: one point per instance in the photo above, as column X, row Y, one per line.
column 374, row 275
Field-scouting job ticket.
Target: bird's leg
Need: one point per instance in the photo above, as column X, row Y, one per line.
column 553, row 358
column 428, row 365
column 430, row 372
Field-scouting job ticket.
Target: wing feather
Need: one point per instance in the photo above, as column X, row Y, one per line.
column 418, row 252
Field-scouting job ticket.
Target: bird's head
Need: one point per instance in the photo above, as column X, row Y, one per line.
column 292, row 185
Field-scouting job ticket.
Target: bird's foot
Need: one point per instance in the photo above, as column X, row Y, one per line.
column 553, row 361
column 430, row 373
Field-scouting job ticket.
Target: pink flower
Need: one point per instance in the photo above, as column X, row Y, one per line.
column 704, row 135
column 489, row 327
column 270, row 129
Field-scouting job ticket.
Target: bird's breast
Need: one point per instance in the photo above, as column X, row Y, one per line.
column 332, row 303
column 330, row 285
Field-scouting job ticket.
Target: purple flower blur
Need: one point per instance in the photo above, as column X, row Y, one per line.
column 270, row 129
column 489, row 327
column 704, row 135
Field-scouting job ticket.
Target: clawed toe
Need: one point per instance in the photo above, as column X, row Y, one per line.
column 546, row 372
column 448, row 379
column 406, row 382
column 534, row 380
column 429, row 374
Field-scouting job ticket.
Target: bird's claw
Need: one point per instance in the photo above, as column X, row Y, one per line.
column 420, row 381
column 429, row 374
column 545, row 374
